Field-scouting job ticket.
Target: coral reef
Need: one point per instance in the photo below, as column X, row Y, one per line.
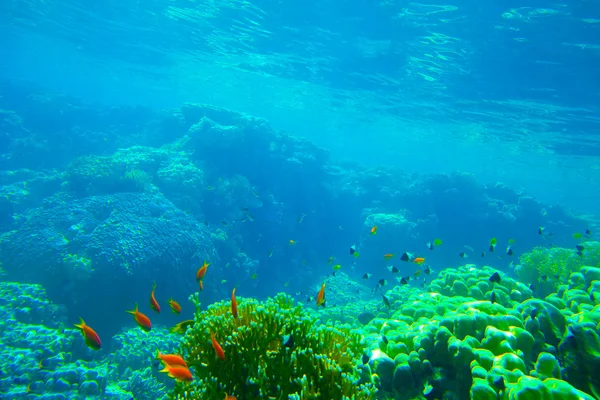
column 40, row 356
column 273, row 349
column 547, row 268
column 119, row 231
column 157, row 192
column 461, row 344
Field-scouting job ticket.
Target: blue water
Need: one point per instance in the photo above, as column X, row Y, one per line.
column 387, row 94
column 508, row 92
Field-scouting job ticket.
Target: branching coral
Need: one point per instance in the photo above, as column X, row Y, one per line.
column 548, row 267
column 260, row 360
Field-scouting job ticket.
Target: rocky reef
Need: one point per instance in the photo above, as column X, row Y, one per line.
column 475, row 338
column 471, row 333
column 130, row 196
column 43, row 357
column 136, row 192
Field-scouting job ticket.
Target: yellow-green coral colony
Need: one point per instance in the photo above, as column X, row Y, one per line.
column 476, row 333
column 262, row 363
column 454, row 339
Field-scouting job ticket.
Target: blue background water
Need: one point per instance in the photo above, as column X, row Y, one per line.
column 507, row 91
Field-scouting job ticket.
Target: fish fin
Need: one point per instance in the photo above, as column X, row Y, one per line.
column 134, row 311
column 81, row 324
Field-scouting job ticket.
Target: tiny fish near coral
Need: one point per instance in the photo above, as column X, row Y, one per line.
column 171, row 359
column 321, row 296
column 179, row 373
column 218, row 349
column 201, row 273
column 234, row 306
column 153, row 303
column 175, row 307
column 92, row 340
column 142, row 320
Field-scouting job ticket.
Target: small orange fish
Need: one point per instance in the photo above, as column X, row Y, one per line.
column 171, row 359
column 374, row 230
column 92, row 340
column 228, row 397
column 218, row 349
column 182, row 374
column 291, row 242
column 387, row 256
column 200, row 274
column 175, row 307
column 153, row 303
column 419, row 260
column 234, row 309
column 141, row 319
column 321, row 297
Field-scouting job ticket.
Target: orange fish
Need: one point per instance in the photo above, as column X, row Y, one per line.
column 374, row 230
column 92, row 340
column 419, row 260
column 200, row 274
column 175, row 307
column 234, row 309
column 182, row 374
column 228, row 397
column 291, row 242
column 218, row 349
column 387, row 256
column 141, row 319
column 321, row 297
column 153, row 303
column 171, row 359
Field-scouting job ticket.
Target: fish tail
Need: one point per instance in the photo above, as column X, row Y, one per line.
column 81, row 323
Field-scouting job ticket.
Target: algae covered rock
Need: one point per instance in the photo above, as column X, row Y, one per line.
column 41, row 356
column 79, row 245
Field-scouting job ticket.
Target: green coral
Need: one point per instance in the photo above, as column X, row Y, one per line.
column 468, row 347
column 130, row 169
column 321, row 364
column 547, row 268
